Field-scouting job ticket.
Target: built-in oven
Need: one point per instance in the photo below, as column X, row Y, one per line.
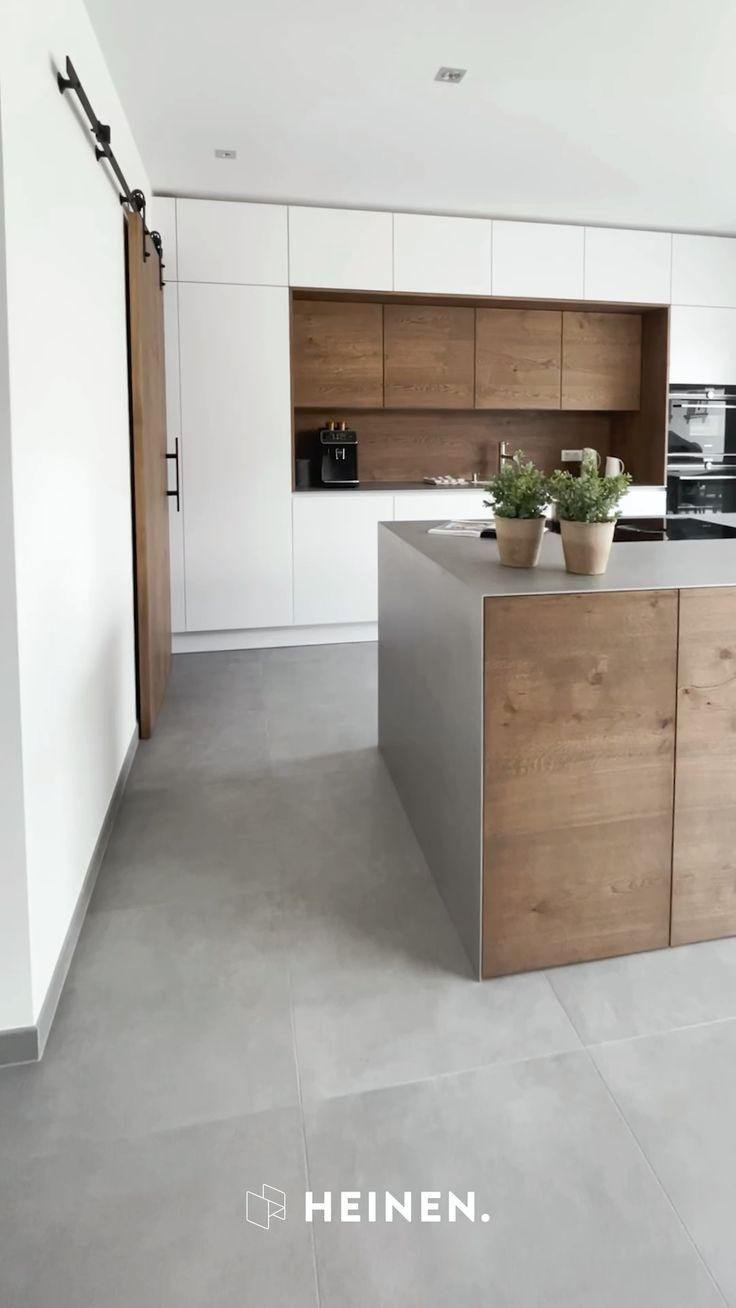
column 701, row 449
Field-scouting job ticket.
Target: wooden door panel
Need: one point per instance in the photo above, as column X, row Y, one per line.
column 518, row 357
column 601, row 360
column 579, row 757
column 704, row 858
column 428, row 356
column 150, row 476
column 337, row 354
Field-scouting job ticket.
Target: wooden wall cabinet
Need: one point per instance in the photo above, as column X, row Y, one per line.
column 518, row 358
column 428, row 356
column 601, row 360
column 579, row 756
column 337, row 352
column 704, row 856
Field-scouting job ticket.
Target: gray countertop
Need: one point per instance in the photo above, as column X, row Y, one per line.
column 652, row 565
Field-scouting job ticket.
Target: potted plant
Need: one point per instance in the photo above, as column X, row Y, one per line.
column 587, row 509
column 519, row 495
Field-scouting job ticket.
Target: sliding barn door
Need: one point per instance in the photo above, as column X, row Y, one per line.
column 150, row 480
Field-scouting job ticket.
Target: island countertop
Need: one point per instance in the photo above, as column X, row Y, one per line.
column 649, row 565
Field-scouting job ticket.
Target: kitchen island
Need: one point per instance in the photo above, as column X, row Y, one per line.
column 564, row 746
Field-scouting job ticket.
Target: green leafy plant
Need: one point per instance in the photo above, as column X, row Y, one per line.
column 518, row 490
column 588, row 498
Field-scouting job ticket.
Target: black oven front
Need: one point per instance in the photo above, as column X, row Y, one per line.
column 701, row 449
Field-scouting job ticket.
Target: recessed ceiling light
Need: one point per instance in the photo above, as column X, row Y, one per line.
column 450, row 74
column 226, row 154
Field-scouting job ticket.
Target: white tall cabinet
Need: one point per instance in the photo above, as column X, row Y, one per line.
column 236, row 423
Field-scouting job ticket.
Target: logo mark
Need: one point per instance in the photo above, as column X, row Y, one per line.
column 260, row 1208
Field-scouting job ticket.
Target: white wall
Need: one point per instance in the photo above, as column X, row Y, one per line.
column 15, row 971
column 70, row 448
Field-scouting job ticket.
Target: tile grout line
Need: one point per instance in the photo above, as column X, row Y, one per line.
column 573, row 1027
column 502, row 1064
column 690, row 1238
column 638, row 1035
column 305, row 1149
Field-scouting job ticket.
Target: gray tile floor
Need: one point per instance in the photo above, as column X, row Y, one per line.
column 267, row 989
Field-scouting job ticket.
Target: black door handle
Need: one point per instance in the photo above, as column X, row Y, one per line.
column 175, row 492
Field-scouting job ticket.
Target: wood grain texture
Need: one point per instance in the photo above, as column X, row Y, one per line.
column 601, row 360
column 518, row 359
column 337, row 353
column 428, row 353
column 704, row 858
column 150, row 477
column 406, row 445
column 640, row 437
column 580, row 695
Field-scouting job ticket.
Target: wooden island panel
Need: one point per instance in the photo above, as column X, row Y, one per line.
column 580, row 703
column 704, row 857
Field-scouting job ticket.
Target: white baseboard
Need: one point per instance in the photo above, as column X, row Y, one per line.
column 27, row 1044
column 199, row 642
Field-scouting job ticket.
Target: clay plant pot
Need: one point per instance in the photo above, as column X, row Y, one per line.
column 519, row 541
column 587, row 546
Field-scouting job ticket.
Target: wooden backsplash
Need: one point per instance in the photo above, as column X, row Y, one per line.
column 396, row 446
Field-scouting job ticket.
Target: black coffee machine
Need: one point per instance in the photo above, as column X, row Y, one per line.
column 339, row 447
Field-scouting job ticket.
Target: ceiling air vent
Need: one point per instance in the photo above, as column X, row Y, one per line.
column 450, row 74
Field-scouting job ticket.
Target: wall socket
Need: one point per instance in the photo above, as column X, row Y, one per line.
column 571, row 456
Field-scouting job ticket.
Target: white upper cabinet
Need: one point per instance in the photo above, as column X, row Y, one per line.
column 538, row 260
column 447, row 256
column 633, row 267
column 161, row 217
column 341, row 249
column 226, row 241
column 702, row 345
column 704, row 271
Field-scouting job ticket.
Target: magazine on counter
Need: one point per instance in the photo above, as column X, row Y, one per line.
column 466, row 527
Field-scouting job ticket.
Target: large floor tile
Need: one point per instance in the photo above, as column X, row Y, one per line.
column 677, row 1093
column 333, row 824
column 231, row 748
column 644, row 993
column 382, row 988
column 576, row 1216
column 383, row 992
column 191, row 844
column 159, row 1223
column 171, row 1015
column 200, row 677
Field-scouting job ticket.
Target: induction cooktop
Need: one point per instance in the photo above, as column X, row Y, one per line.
column 674, row 527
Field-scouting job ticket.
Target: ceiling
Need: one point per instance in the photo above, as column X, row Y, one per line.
column 599, row 111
